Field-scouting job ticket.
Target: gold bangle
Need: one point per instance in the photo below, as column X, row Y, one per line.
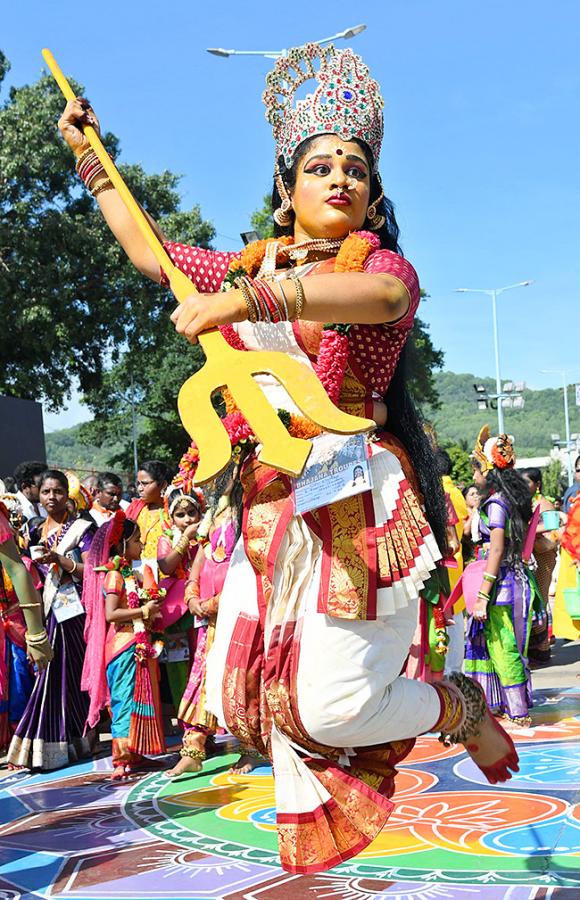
column 249, row 299
column 105, row 185
column 84, row 155
column 34, row 640
column 182, row 546
column 300, row 297
column 74, row 568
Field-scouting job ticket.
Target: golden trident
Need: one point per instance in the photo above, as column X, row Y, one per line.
column 226, row 367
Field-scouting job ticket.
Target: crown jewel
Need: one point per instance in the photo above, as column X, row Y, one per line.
column 347, row 101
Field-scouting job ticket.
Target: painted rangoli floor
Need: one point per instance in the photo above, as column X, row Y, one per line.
column 75, row 834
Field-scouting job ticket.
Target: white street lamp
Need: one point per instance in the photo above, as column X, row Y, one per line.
column 494, row 294
column 564, row 374
column 345, row 35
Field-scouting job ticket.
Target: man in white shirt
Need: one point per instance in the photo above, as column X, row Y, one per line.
column 27, row 477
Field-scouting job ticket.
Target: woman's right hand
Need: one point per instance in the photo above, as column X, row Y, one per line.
column 191, row 531
column 154, row 608
column 77, row 113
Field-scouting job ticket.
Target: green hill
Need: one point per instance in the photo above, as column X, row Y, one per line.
column 64, row 450
column 459, row 420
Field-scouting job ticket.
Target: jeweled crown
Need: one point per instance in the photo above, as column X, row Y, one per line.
column 347, row 101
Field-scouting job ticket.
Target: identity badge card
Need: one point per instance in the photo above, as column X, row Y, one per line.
column 337, row 468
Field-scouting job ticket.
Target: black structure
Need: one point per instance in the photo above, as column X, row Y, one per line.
column 21, row 433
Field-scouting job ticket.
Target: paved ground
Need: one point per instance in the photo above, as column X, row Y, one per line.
column 74, row 834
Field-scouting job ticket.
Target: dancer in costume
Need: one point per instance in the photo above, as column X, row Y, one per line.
column 50, row 732
column 318, row 609
column 149, row 510
column 120, row 670
column 23, row 637
column 176, row 552
column 202, row 592
column 177, row 547
column 498, row 631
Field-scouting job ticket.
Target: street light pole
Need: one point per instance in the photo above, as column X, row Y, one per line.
column 567, row 419
column 500, row 420
column 276, row 54
column 494, row 294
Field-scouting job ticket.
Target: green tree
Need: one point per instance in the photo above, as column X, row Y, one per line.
column 151, row 382
column 261, row 219
column 553, row 480
column 70, row 300
column 462, row 472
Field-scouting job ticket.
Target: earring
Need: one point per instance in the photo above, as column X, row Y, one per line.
column 282, row 215
column 375, row 220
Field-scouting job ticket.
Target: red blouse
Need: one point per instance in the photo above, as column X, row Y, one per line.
column 375, row 349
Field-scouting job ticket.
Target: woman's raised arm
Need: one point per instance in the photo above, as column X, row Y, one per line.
column 76, row 114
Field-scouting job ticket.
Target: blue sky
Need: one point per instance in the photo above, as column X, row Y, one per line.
column 480, row 153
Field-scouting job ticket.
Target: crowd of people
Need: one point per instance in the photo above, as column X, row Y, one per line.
column 130, row 590
column 325, row 639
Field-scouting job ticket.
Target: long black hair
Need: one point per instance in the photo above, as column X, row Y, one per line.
column 512, row 486
column 388, row 234
column 127, row 532
column 405, row 423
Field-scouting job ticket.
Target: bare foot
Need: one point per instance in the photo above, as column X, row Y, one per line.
column 185, row 765
column 245, row 764
column 493, row 751
column 119, row 773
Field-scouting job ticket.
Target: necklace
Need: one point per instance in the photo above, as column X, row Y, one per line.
column 52, row 539
column 303, row 248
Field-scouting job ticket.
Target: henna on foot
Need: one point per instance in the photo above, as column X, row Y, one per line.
column 468, row 721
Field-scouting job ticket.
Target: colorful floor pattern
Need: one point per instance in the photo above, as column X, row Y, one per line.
column 75, row 834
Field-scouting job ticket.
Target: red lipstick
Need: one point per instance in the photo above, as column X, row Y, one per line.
column 339, row 200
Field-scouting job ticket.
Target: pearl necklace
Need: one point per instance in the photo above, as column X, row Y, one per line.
column 301, row 250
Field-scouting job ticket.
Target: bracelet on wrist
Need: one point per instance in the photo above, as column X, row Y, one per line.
column 35, row 640
column 491, row 579
column 182, row 546
column 105, row 185
column 300, row 296
column 483, row 596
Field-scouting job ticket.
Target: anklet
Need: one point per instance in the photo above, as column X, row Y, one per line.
column 193, row 753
